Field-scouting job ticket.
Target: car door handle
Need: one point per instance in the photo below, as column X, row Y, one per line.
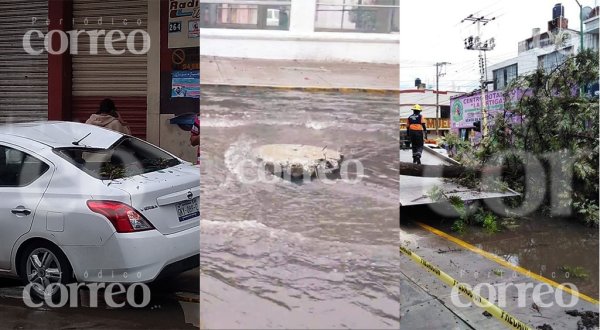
column 20, row 211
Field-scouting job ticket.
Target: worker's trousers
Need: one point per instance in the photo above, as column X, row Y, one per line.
column 416, row 141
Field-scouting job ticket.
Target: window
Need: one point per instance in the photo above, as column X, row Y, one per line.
column 374, row 16
column 245, row 14
column 444, row 111
column 550, row 61
column 510, row 73
column 18, row 169
column 503, row 76
column 128, row 157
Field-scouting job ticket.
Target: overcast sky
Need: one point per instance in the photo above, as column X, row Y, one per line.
column 430, row 32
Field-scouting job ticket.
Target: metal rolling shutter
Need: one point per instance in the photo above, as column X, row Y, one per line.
column 119, row 77
column 23, row 77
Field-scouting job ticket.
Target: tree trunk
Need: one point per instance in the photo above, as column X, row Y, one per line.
column 432, row 171
column 448, row 171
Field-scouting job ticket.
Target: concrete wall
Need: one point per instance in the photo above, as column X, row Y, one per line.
column 176, row 140
column 153, row 83
column 285, row 45
column 301, row 42
column 159, row 131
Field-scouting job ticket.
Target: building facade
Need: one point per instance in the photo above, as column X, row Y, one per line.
column 546, row 50
column 60, row 58
column 320, row 30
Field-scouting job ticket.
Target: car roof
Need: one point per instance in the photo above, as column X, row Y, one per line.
column 57, row 134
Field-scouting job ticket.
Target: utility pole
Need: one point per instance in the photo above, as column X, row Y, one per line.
column 438, row 74
column 580, row 26
column 580, row 38
column 475, row 43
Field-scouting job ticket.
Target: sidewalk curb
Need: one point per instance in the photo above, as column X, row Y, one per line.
column 315, row 89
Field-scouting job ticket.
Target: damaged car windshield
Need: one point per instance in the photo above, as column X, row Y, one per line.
column 127, row 157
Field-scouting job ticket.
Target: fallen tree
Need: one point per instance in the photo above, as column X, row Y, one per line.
column 432, row 171
column 548, row 120
column 455, row 171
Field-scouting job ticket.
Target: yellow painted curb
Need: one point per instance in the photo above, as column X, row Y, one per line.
column 507, row 264
column 346, row 90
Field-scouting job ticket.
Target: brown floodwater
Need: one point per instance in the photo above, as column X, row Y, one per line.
column 549, row 247
column 277, row 254
column 164, row 311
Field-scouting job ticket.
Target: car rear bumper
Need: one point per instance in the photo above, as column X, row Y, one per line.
column 136, row 257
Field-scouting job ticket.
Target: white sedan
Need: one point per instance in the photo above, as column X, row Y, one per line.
column 82, row 203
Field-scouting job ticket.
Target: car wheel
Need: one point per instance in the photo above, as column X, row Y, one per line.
column 45, row 267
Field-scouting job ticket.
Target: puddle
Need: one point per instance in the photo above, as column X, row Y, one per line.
column 559, row 249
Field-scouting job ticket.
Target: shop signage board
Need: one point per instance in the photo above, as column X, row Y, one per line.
column 184, row 23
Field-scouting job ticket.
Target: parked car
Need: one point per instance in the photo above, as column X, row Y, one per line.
column 83, row 203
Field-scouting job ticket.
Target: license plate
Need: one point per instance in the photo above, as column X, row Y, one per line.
column 188, row 209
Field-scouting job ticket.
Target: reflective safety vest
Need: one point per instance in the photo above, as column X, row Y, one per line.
column 415, row 122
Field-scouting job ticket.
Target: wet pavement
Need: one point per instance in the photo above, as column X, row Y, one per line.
column 165, row 310
column 559, row 249
column 280, row 254
column 534, row 245
column 299, row 74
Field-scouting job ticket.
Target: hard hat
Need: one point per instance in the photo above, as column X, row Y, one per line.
column 417, row 107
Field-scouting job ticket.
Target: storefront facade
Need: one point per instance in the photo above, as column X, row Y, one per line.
column 143, row 54
column 23, row 76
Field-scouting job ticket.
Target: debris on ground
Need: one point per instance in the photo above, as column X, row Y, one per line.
column 544, row 327
column 449, row 250
column 588, row 321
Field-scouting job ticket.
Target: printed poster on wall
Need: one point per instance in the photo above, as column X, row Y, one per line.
column 185, row 84
column 184, row 23
column 194, row 29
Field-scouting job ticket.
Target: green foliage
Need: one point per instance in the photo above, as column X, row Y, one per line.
column 577, row 272
column 563, row 126
column 469, row 214
column 111, row 172
column 435, row 194
column 460, row 150
column 498, row 272
column 558, row 127
column 490, row 224
column 459, row 226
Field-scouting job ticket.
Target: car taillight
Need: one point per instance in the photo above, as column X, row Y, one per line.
column 123, row 217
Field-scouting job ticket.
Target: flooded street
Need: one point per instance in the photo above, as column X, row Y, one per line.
column 165, row 309
column 553, row 248
column 562, row 250
column 314, row 254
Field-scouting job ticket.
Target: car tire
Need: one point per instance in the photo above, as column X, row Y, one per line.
column 42, row 264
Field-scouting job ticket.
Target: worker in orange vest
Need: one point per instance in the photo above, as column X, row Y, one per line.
column 416, row 129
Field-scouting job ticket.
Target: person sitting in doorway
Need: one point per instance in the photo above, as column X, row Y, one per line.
column 108, row 117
